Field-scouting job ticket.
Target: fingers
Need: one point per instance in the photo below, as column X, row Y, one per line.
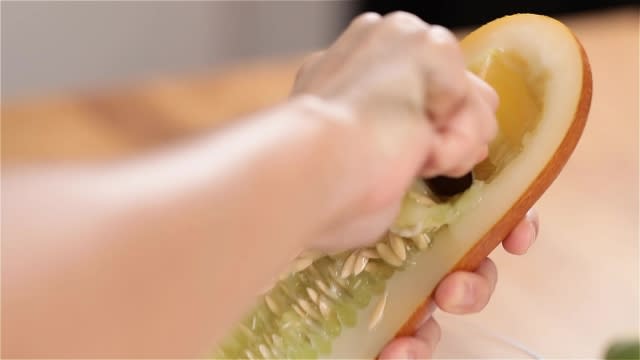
column 485, row 101
column 415, row 69
column 307, row 66
column 359, row 26
column 464, row 292
column 463, row 140
column 421, row 346
column 406, row 348
column 487, row 93
column 357, row 29
column 402, row 23
column 482, row 154
column 360, row 231
column 447, row 82
column 523, row 235
column 439, row 58
column 430, row 334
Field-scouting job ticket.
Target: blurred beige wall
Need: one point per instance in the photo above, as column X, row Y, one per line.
column 49, row 47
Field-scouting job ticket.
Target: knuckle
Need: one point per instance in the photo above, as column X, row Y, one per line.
column 442, row 35
column 435, row 163
column 444, row 43
column 457, row 172
column 450, row 50
column 460, row 167
column 405, row 22
column 469, row 161
column 365, row 19
column 421, row 39
column 313, row 59
column 401, row 16
column 308, row 62
column 300, row 76
column 299, row 79
column 439, row 157
column 306, row 66
column 451, row 164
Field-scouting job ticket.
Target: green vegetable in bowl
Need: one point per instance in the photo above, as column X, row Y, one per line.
column 624, row 349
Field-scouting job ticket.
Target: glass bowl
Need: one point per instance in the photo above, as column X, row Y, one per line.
column 464, row 339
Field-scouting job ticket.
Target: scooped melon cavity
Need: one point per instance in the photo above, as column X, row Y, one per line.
column 519, row 88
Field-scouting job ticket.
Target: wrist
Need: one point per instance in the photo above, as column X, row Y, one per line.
column 330, row 114
column 343, row 160
column 378, row 153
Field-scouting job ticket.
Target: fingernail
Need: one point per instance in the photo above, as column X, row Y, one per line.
column 532, row 236
column 465, row 295
column 403, row 352
column 534, row 222
column 408, row 354
column 427, row 315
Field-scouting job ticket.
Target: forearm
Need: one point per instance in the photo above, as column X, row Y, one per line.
column 157, row 256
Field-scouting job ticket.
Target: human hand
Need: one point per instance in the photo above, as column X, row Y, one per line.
column 462, row 293
column 412, row 110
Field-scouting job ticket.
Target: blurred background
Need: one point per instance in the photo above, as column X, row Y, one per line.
column 56, row 45
column 50, row 46
column 94, row 80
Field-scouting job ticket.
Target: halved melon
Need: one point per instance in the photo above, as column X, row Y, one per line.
column 542, row 76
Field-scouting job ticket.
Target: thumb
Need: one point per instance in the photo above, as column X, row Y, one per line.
column 420, row 346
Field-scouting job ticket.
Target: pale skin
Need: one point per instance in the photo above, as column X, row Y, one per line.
column 161, row 254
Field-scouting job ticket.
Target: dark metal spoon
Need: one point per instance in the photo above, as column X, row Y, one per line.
column 444, row 186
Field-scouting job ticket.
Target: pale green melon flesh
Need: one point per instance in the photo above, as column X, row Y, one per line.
column 296, row 333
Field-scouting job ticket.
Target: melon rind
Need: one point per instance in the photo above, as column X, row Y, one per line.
column 548, row 46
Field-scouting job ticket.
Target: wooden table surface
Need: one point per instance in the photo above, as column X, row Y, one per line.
column 575, row 290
